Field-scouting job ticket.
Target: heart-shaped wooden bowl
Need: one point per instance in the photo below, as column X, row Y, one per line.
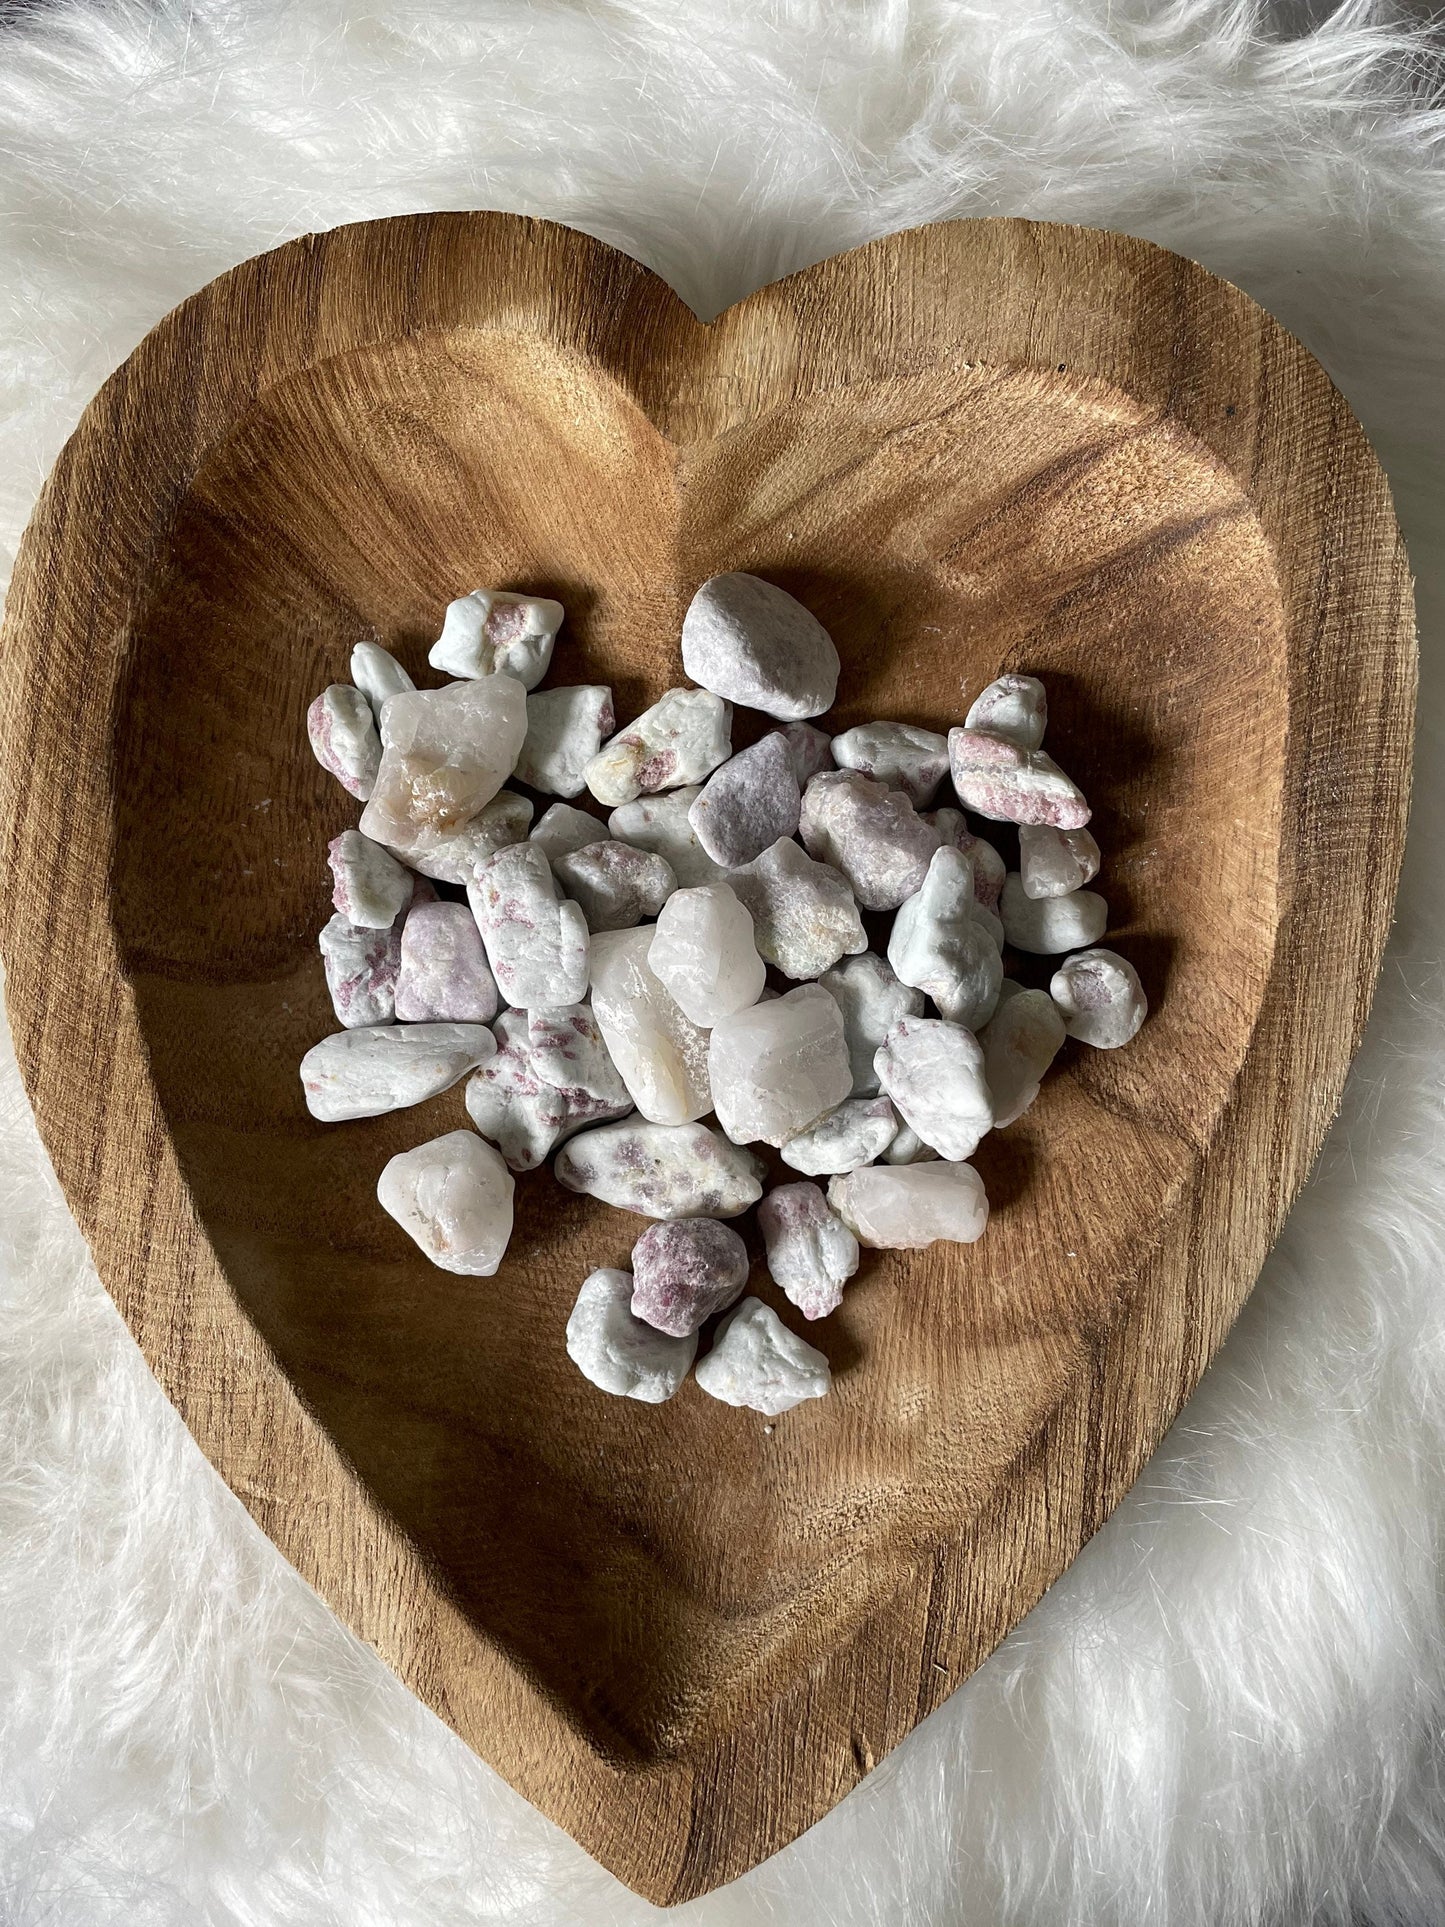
column 682, row 1632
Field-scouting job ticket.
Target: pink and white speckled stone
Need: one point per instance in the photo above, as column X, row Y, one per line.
column 361, row 965
column 537, row 942
column 495, row 632
column 661, row 1170
column 899, row 755
column 685, row 1270
column 1013, row 785
column 811, row 1252
column 871, row 834
column 443, row 975
column 681, row 739
column 342, row 733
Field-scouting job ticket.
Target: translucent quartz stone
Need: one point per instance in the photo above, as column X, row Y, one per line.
column 1054, row 862
column 1048, row 926
column 563, row 829
column 498, row 825
column 905, row 1207
column 660, row 1052
column 703, row 952
column 777, row 1067
column 872, row 1001
column 1014, row 707
column 615, row 885
column 453, row 1195
column 444, row 755
column 859, row 1130
column 378, row 675
column 1019, row 1042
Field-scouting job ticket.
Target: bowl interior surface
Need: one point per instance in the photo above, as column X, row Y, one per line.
column 642, row 1563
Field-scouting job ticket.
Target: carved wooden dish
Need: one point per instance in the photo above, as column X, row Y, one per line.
column 972, row 447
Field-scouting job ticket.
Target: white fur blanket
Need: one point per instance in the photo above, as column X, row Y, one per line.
column 1230, row 1710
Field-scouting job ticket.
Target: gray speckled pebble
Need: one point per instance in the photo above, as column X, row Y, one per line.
column 750, row 802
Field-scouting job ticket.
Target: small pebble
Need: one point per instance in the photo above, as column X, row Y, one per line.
column 361, row 963
column 615, row 885
column 493, row 632
column 857, row 1132
column 378, row 675
column 565, row 730
column 343, row 737
column 537, row 943
column 1014, row 707
column 661, row 1170
column 906, row 1207
column 750, row 802
column 564, row 829
column 364, row 1073
column 811, row 1252
column 757, row 1362
column 499, row 824
column 453, row 1195
column 681, row 739
column 811, row 750
column 871, row 833
column 1013, row 785
column 753, row 643
column 1053, row 862
column 660, row 1053
column 776, row 1068
column 443, row 975
column 897, row 755
column 526, row 1113
column 1019, row 1042
column 1048, row 926
column 686, row 1270
column 1101, row 998
column 934, row 1072
column 619, row 1353
column 444, row 755
column 872, row 1000
column 703, row 953
column 908, row 1148
column 989, row 868
column 369, row 886
column 804, row 914
column 941, row 945
column 663, row 824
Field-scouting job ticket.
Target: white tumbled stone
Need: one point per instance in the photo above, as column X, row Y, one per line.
column 898, row 755
column 703, row 952
column 1014, row 707
column 494, row 632
column 361, row 963
column 1019, row 1042
column 496, row 826
column 363, row 1073
column 445, row 753
column 777, row 1067
column 755, row 1361
column 1100, row 997
column 747, row 804
column 551, row 1077
column 1048, row 926
column 342, row 732
column 453, row 1195
column 869, row 833
column 934, row 1073
column 872, row 1000
column 661, row 1170
column 443, row 975
column 620, row 1353
column 663, row 824
column 941, row 944
column 378, row 675
column 906, row 1207
column 615, row 884
column 753, row 643
column 565, row 730
column 563, row 829
column 804, row 915
column 369, row 886
column 1052, row 863
column 1011, row 785
column 857, row 1132
column 537, row 943
column 660, row 1053
column 989, row 868
column 681, row 739
column 811, row 1252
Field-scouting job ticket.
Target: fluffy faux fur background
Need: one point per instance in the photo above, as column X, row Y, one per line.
column 1230, row 1710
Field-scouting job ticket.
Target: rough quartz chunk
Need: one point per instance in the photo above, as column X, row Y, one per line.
column 804, row 915
column 493, row 632
column 872, row 1001
column 811, row 1252
column 456, row 859
column 1013, row 785
column 755, row 644
column 543, row 1085
column 748, row 804
column 681, row 739
column 661, row 1170
column 563, row 829
column 811, row 750
column 453, row 1195
column 989, row 868
column 686, row 1270
column 659, row 1051
column 615, row 885
column 896, row 754
column 871, row 833
column 619, row 1353
column 363, row 1073
column 1014, row 707
column 1101, row 998
column 703, row 952
column 378, row 675
column 1048, row 926
column 443, row 975
column 444, row 755
column 565, row 730
column 1019, row 1042
column 756, row 1361
column 343, row 737
column 369, row 886
column 905, row 1207
column 1053, row 862
column 860, row 1130
column 776, row 1068
column 941, row 945
column 537, row 943
column 934, row 1072
column 361, row 963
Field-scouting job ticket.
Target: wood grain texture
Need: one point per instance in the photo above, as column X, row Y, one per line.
column 970, row 447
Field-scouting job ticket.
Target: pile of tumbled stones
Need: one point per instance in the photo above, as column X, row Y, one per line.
column 604, row 985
